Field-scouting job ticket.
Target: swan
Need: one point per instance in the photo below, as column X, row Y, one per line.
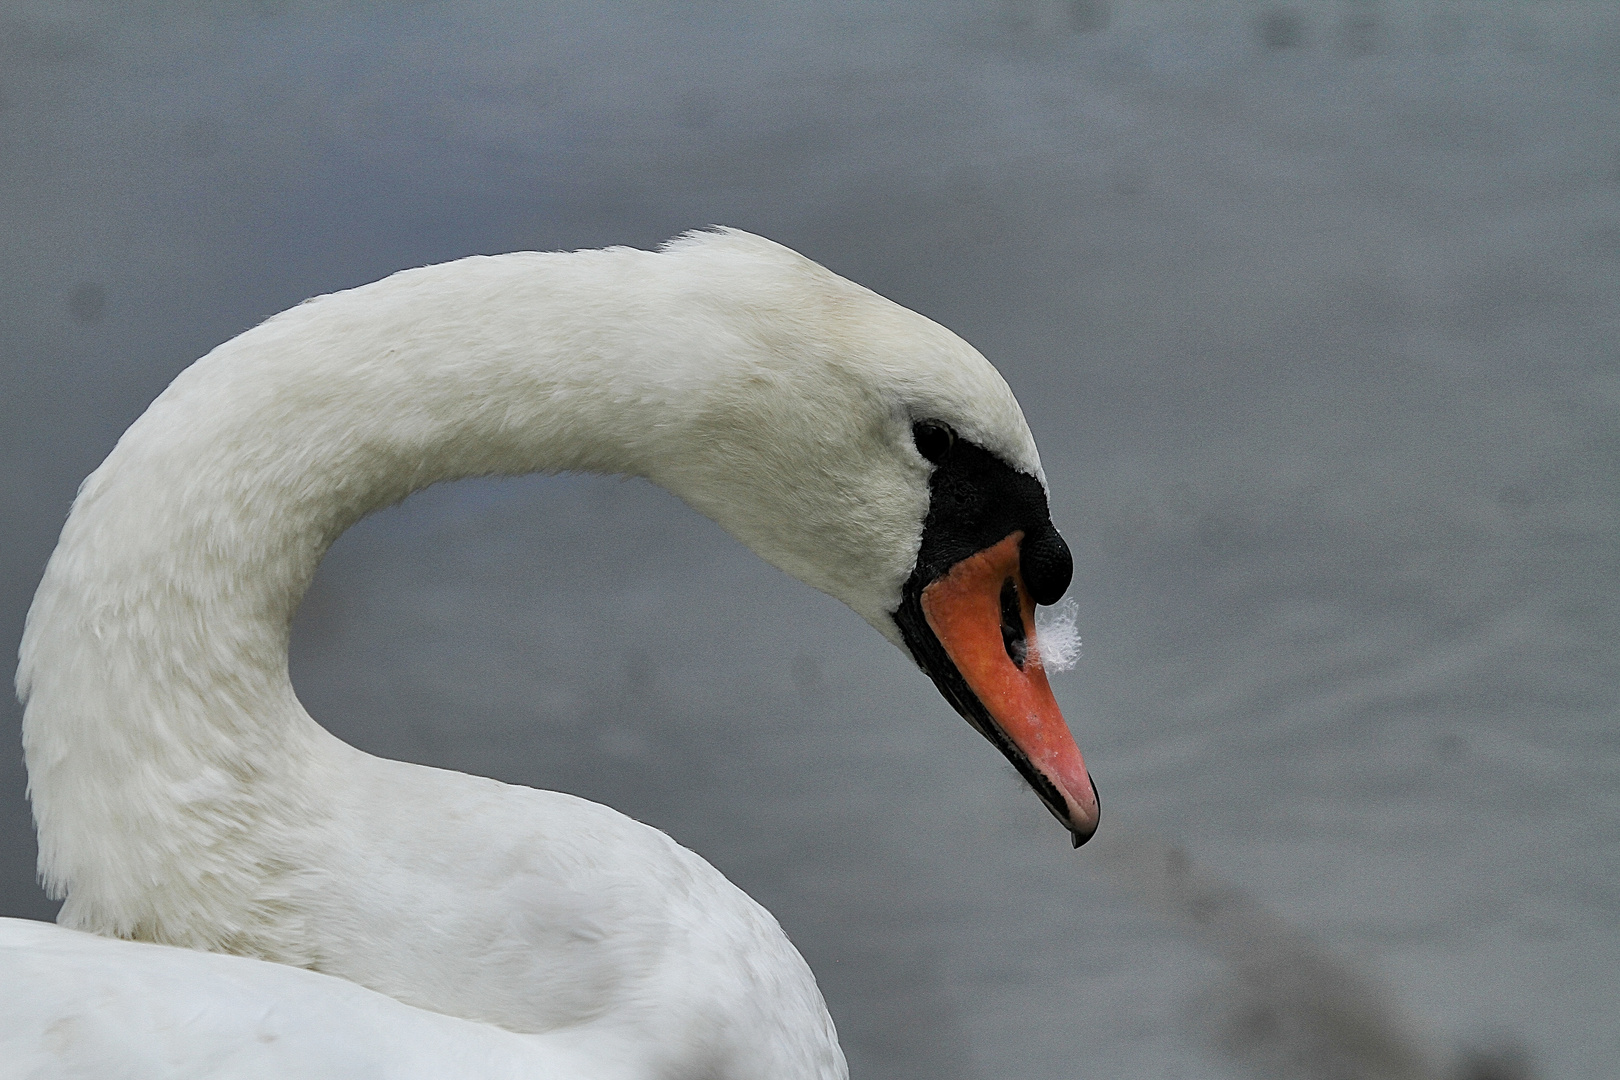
column 184, row 797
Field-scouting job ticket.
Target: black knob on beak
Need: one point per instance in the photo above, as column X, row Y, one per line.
column 1046, row 564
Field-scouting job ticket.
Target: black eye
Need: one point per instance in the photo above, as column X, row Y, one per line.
column 934, row 439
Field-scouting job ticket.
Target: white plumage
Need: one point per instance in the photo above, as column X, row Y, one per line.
column 99, row 1009
column 184, row 796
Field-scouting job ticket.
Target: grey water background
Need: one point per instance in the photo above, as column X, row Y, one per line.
column 1312, row 307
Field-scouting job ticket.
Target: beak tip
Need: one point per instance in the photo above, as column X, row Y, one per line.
column 1081, row 835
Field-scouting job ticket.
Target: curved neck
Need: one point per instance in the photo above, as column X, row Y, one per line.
column 171, row 766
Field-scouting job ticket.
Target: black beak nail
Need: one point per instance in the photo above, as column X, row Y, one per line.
column 1076, row 837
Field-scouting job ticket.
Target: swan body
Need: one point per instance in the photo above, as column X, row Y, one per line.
column 98, row 1009
column 182, row 794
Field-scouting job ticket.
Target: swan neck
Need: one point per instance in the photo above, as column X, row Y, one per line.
column 173, row 772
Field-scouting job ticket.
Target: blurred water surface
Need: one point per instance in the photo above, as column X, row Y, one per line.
column 1313, row 309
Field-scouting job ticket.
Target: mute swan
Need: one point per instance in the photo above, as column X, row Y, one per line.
column 182, row 794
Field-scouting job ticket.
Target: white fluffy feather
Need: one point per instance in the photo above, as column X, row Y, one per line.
column 1057, row 641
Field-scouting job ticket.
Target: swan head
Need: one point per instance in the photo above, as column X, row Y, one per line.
column 877, row 456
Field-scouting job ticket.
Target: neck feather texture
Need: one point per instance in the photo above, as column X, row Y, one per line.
column 176, row 780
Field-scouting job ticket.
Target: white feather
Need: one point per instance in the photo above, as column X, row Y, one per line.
column 1057, row 641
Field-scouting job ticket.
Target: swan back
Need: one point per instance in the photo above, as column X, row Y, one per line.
column 75, row 1005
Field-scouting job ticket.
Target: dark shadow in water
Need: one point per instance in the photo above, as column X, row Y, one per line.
column 1286, row 1007
column 1280, row 28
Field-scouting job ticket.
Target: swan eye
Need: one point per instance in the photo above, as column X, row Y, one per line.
column 934, row 439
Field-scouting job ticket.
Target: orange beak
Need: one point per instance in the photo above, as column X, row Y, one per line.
column 984, row 619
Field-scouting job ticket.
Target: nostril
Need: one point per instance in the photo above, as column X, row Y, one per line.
column 1047, row 566
column 1012, row 624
